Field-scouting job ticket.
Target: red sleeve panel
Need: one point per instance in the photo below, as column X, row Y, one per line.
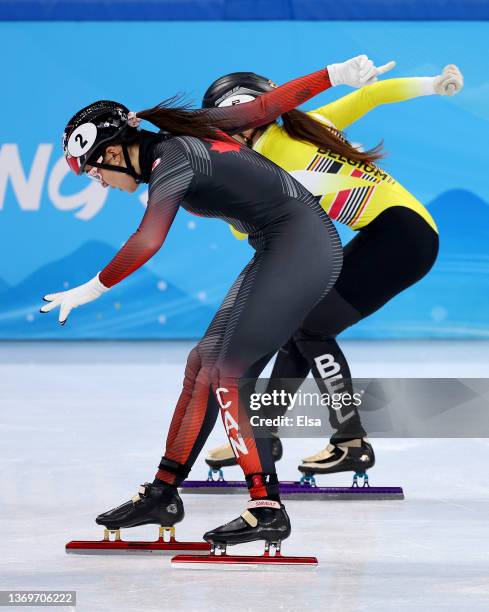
column 170, row 179
column 269, row 106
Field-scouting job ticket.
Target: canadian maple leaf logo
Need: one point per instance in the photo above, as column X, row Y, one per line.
column 225, row 147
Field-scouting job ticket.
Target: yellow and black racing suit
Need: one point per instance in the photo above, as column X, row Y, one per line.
column 396, row 244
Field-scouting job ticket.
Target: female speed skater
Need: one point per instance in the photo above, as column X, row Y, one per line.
column 194, row 164
column 396, row 244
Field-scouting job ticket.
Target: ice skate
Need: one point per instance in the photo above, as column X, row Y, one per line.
column 262, row 520
column 352, row 456
column 151, row 505
column 356, row 456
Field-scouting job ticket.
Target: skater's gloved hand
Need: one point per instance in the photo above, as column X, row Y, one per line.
column 67, row 300
column 357, row 72
column 449, row 82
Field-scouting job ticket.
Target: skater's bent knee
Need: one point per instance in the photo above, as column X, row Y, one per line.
column 194, row 360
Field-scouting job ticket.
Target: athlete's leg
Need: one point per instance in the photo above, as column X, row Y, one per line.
column 196, row 410
column 314, row 347
column 274, row 304
column 316, row 341
column 395, row 251
column 289, row 372
column 256, row 317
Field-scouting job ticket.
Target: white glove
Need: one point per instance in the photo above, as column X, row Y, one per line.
column 67, row 300
column 357, row 72
column 449, row 82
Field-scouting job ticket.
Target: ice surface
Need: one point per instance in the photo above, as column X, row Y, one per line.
column 81, row 425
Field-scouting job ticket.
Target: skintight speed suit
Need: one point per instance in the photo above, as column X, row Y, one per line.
column 297, row 261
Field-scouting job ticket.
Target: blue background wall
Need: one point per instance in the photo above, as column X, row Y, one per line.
column 57, row 231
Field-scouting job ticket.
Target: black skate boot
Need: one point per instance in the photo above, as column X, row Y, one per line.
column 223, row 456
column 159, row 505
column 262, row 520
column 350, row 456
column 151, row 505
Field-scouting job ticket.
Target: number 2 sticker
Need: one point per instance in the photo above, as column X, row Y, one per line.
column 82, row 139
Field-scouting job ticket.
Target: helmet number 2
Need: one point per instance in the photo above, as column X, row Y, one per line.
column 80, row 141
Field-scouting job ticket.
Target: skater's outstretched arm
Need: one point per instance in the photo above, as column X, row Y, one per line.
column 170, row 179
column 348, row 109
column 266, row 108
column 269, row 106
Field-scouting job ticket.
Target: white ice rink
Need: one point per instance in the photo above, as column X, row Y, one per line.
column 82, row 425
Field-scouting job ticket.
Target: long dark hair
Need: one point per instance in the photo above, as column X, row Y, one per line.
column 176, row 117
column 302, row 126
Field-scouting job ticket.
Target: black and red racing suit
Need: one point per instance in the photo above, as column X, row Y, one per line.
column 298, row 258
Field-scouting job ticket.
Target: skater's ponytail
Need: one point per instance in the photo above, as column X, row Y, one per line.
column 176, row 117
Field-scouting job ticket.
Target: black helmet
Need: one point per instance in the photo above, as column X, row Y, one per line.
column 236, row 88
column 93, row 127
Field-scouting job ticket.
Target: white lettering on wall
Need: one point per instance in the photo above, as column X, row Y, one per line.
column 28, row 186
column 27, row 190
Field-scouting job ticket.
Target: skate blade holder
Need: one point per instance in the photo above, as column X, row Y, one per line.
column 272, row 559
column 361, row 475
column 308, row 480
column 215, row 472
column 113, row 544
